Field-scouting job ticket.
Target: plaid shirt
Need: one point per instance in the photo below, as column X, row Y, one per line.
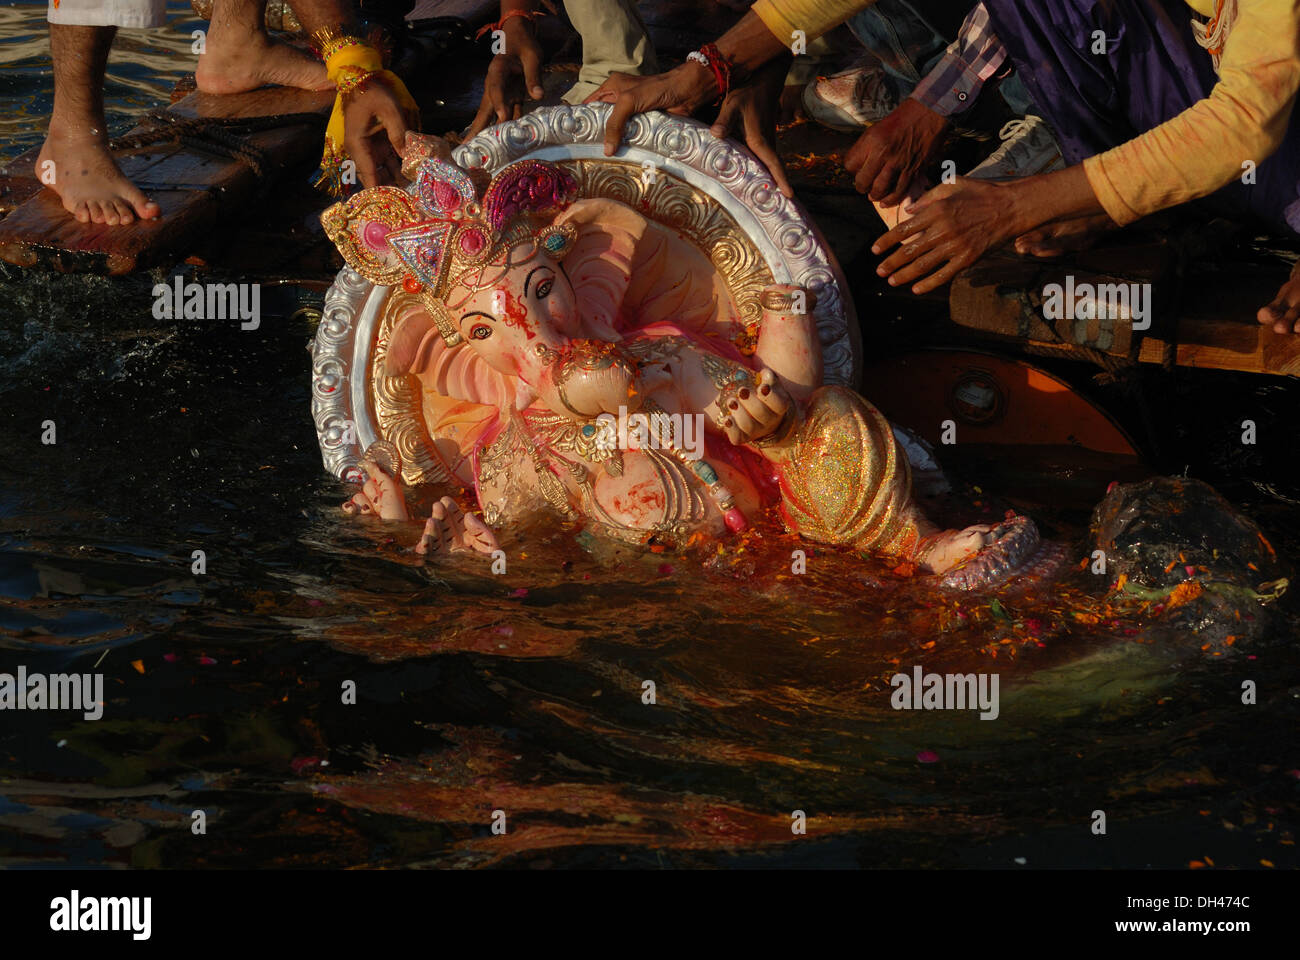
column 956, row 80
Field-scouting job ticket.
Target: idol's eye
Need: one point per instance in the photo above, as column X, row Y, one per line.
column 543, row 289
column 480, row 331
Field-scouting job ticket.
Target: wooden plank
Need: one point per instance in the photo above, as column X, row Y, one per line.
column 1212, row 324
column 1229, row 344
column 1004, row 295
column 1231, row 340
column 196, row 190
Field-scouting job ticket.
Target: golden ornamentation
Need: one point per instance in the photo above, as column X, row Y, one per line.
column 329, row 40
column 727, row 377
column 391, row 206
column 782, row 300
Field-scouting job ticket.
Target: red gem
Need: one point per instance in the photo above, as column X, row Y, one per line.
column 445, row 195
column 471, row 242
column 411, row 285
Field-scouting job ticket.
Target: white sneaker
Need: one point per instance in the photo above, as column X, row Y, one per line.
column 851, row 99
column 1028, row 147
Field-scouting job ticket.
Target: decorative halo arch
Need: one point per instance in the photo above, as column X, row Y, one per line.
column 671, row 169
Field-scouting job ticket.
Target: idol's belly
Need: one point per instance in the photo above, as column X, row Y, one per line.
column 648, row 492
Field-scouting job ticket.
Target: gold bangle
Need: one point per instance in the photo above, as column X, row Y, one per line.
column 327, row 41
column 781, row 300
column 782, row 431
column 354, row 79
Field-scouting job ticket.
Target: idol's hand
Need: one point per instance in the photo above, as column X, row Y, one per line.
column 953, row 226
column 508, row 75
column 681, row 90
column 754, row 413
column 889, row 154
column 755, row 104
column 374, row 131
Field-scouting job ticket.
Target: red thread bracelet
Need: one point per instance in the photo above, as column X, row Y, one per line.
column 720, row 66
column 530, row 14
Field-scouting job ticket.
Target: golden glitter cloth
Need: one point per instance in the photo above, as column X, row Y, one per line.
column 847, row 481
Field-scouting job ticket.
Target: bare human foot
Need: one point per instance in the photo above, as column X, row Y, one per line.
column 450, row 528
column 75, row 162
column 1064, row 236
column 1284, row 312
column 239, row 56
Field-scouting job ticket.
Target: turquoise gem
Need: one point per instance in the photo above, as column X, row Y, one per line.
column 705, row 472
column 554, row 242
column 588, row 429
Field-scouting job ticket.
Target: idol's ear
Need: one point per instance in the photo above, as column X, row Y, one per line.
column 410, row 344
column 417, row 347
column 360, row 226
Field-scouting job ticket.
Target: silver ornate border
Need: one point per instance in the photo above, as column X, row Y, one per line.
column 795, row 251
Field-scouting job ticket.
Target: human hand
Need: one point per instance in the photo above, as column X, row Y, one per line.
column 889, row 154
column 681, row 90
column 374, row 131
column 755, row 104
column 952, row 226
column 512, row 77
column 1284, row 312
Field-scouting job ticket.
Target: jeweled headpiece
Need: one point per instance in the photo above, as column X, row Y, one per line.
column 441, row 230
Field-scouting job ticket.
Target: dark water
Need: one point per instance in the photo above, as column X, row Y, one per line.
column 523, row 693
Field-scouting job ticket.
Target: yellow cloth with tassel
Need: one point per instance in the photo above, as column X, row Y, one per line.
column 347, row 67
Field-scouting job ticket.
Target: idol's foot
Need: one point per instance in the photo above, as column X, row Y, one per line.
column 450, row 528
column 240, row 58
column 380, row 496
column 1284, row 312
column 1066, row 236
column 75, row 163
column 940, row 552
column 981, row 556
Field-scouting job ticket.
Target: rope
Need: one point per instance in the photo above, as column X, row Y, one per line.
column 1114, row 368
column 214, row 134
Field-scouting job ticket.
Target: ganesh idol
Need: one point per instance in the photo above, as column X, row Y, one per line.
column 535, row 316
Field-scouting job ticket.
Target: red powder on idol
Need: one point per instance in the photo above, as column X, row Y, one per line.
column 515, row 314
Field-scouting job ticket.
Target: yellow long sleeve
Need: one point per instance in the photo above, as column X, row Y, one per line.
column 1205, row 147
column 813, row 17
